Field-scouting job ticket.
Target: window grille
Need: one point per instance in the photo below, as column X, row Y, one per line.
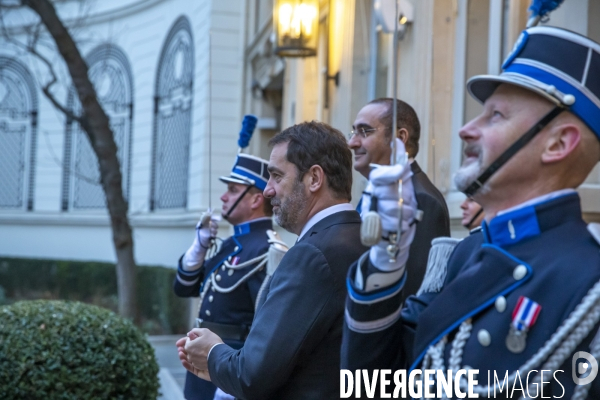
column 172, row 119
column 18, row 135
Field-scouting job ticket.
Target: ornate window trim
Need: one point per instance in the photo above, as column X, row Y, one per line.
column 28, row 111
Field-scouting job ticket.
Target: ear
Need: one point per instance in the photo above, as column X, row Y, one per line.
column 314, row 178
column 257, row 201
column 561, row 142
column 403, row 135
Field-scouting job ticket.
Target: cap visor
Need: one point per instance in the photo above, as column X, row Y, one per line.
column 228, row 179
column 482, row 87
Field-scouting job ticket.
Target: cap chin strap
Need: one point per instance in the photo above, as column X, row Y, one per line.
column 226, row 216
column 511, row 151
column 470, row 223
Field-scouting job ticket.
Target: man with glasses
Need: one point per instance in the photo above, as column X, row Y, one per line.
column 370, row 140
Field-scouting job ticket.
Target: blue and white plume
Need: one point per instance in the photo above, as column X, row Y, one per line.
column 540, row 10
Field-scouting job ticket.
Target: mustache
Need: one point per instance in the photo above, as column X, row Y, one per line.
column 472, row 150
column 275, row 202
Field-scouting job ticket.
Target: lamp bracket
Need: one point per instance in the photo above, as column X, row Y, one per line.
column 335, row 78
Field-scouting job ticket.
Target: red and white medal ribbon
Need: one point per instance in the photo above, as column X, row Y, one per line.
column 525, row 313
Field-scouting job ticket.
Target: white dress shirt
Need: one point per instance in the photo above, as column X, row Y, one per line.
column 323, row 214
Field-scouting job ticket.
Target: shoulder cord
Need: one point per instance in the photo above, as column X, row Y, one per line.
column 255, row 259
column 573, row 330
column 267, row 280
column 263, row 260
column 245, row 263
column 219, row 289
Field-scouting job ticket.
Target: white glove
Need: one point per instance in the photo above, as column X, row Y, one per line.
column 383, row 184
column 206, row 231
column 221, row 395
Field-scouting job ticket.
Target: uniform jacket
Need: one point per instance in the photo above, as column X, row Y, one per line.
column 543, row 252
column 235, row 308
column 293, row 349
column 435, row 223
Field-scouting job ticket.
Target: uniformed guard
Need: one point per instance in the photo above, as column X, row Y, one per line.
column 229, row 280
column 472, row 215
column 520, row 300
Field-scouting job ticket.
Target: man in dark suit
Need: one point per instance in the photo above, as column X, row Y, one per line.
column 370, row 139
column 293, row 348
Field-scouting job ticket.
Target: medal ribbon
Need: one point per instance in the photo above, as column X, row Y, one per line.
column 525, row 313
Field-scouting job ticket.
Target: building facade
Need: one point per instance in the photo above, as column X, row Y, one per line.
column 439, row 49
column 167, row 73
column 176, row 79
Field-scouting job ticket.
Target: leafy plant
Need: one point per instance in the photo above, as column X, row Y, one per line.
column 70, row 350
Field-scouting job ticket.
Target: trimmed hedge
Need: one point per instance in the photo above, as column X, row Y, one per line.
column 70, row 350
column 161, row 312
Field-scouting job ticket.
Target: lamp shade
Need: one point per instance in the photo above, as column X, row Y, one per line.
column 296, row 27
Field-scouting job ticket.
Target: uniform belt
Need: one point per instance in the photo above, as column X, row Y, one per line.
column 225, row 331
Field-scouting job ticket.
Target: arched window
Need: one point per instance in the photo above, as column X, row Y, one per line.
column 110, row 72
column 172, row 119
column 18, row 134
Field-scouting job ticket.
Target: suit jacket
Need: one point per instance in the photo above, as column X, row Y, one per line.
column 542, row 252
column 435, row 223
column 293, row 349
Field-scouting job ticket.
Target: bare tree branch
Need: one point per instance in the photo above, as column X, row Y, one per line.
column 32, row 49
column 64, row 165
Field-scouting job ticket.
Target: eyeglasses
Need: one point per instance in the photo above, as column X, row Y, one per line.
column 362, row 132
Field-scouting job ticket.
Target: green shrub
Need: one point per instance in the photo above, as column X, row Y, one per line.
column 70, row 350
column 160, row 311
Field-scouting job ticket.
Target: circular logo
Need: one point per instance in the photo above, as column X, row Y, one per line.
column 581, row 368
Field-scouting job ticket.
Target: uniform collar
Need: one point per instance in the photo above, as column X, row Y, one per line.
column 259, row 224
column 475, row 230
column 532, row 218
